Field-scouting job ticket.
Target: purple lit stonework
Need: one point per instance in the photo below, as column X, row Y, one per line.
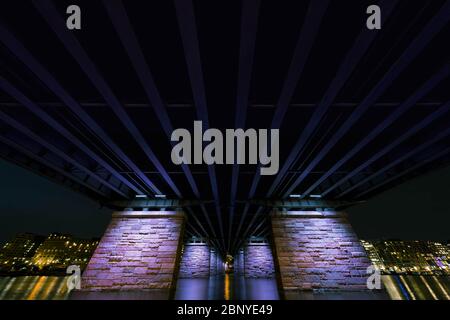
column 318, row 250
column 258, row 261
column 195, row 261
column 140, row 251
column 199, row 260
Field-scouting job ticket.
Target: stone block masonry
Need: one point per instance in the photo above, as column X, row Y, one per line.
column 200, row 260
column 140, row 251
column 258, row 261
column 318, row 250
column 195, row 261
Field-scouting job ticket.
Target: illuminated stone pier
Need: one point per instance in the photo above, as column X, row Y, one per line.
column 137, row 258
column 318, row 255
column 255, row 260
column 199, row 260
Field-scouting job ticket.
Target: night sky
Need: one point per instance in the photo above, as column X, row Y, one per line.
column 31, row 203
column 417, row 209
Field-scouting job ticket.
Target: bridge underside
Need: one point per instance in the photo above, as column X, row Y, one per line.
column 355, row 119
column 352, row 123
column 310, row 254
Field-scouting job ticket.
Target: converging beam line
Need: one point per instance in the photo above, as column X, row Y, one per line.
column 396, row 114
column 187, row 26
column 438, row 22
column 19, row 51
column 249, row 25
column 122, row 25
column 307, row 36
column 349, row 63
column 50, row 14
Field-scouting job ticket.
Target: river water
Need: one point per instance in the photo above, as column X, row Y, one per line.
column 225, row 287
column 33, row 288
column 228, row 287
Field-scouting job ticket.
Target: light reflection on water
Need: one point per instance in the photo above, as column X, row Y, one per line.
column 33, row 288
column 417, row 287
column 227, row 287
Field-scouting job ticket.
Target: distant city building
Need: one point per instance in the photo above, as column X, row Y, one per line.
column 29, row 252
column 396, row 256
column 60, row 250
column 20, row 250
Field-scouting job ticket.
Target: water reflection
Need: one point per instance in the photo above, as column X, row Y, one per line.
column 231, row 287
column 33, row 288
column 417, row 287
column 228, row 287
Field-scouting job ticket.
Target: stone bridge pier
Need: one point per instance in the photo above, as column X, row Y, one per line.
column 255, row 260
column 200, row 260
column 137, row 258
column 318, row 255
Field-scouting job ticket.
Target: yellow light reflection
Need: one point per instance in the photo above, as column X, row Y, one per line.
column 429, row 288
column 47, row 292
column 227, row 286
column 37, row 288
column 411, row 294
column 392, row 288
column 7, row 288
column 447, row 296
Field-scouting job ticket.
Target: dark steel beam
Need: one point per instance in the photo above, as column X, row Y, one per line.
column 138, row 105
column 249, row 26
column 405, row 172
column 255, row 229
column 122, row 25
column 442, row 135
column 156, row 203
column 194, row 229
column 445, row 108
column 218, row 245
column 303, row 204
column 349, row 63
column 310, row 28
column 438, row 22
column 55, row 21
column 47, row 163
column 191, row 233
column 192, row 214
column 19, row 51
column 31, row 135
column 277, row 203
column 395, row 115
column 307, row 35
column 250, row 226
column 264, row 233
column 36, row 110
column 188, row 31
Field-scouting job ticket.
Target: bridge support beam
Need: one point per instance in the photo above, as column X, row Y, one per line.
column 318, row 256
column 137, row 258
